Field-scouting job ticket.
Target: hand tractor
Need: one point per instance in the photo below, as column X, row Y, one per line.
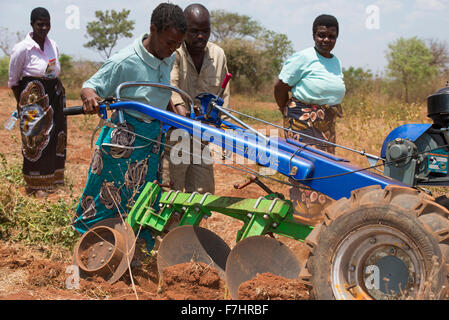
column 381, row 237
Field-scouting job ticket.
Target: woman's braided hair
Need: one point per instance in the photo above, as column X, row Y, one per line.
column 167, row 15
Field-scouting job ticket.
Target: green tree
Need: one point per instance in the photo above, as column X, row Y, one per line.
column 411, row 63
column 242, row 58
column 4, row 70
column 66, row 63
column 66, row 69
column 230, row 25
column 255, row 54
column 357, row 80
column 107, row 30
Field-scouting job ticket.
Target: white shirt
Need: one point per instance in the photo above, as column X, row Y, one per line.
column 27, row 59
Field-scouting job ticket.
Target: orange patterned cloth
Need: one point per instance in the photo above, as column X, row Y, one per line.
column 313, row 120
column 316, row 121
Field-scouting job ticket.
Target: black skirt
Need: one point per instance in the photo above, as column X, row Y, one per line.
column 44, row 141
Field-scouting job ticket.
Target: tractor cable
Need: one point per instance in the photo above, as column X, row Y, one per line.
column 360, row 152
column 375, row 166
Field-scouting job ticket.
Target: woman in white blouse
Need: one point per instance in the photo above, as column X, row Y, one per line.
column 33, row 77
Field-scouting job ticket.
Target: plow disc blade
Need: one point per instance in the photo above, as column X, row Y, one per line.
column 192, row 244
column 105, row 250
column 257, row 255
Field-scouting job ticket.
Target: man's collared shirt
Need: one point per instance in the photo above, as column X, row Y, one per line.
column 134, row 63
column 28, row 59
column 213, row 71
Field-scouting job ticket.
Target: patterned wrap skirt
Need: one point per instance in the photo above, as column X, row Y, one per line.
column 314, row 121
column 122, row 163
column 43, row 129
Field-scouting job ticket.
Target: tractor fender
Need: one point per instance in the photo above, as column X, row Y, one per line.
column 407, row 131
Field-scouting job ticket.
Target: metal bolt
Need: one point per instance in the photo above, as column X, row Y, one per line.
column 352, row 268
column 275, row 225
column 161, row 205
column 110, row 249
column 94, row 255
column 392, row 251
column 372, row 240
column 102, row 261
column 265, row 216
column 197, row 209
column 249, row 215
column 101, row 243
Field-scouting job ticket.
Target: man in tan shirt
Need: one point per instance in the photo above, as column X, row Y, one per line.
column 200, row 66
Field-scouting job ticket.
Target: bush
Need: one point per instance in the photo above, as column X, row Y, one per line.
column 73, row 74
column 4, row 70
column 32, row 221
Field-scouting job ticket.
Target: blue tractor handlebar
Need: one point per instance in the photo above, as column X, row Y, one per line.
column 316, row 169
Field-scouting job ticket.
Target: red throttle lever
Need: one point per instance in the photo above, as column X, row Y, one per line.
column 224, row 83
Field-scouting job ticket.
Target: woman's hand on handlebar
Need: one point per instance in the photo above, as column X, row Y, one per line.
column 90, row 100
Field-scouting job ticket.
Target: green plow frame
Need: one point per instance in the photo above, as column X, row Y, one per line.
column 269, row 214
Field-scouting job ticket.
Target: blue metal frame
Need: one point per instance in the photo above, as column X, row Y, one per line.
column 406, row 131
column 318, row 170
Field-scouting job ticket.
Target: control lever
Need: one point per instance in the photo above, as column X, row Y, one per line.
column 254, row 179
column 169, row 185
column 224, row 84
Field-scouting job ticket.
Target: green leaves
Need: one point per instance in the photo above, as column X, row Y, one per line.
column 230, row 25
column 4, row 70
column 109, row 27
column 31, row 221
column 358, row 80
column 254, row 54
column 410, row 62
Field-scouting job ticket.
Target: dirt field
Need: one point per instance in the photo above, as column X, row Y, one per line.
column 25, row 273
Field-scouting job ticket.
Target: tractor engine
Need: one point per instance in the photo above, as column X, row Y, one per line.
column 418, row 154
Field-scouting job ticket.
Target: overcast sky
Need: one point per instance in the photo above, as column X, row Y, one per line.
column 366, row 26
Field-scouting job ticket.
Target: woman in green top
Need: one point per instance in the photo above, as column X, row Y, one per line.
column 315, row 80
column 122, row 161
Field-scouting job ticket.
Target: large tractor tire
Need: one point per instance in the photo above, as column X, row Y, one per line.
column 390, row 243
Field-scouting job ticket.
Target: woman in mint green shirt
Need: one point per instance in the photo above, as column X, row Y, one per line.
column 315, row 80
column 122, row 161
